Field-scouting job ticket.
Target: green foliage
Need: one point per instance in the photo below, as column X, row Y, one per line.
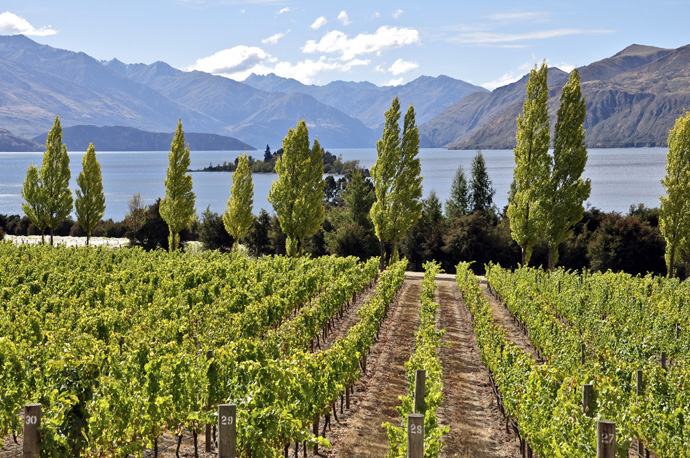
column 257, row 239
column 396, row 178
column 297, row 194
column 459, row 202
column 424, row 241
column 353, row 232
column 110, row 342
column 212, row 232
column 34, row 207
column 90, row 202
column 566, row 189
column 674, row 218
column 177, row 208
column 46, row 191
column 481, row 191
column 526, row 210
column 625, row 244
column 238, row 218
column 625, row 322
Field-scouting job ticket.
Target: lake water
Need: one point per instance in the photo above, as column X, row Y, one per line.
column 620, row 177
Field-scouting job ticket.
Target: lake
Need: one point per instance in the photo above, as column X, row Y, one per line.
column 620, row 177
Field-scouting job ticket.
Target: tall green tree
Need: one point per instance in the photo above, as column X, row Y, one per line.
column 459, row 202
column 177, row 208
column 90, row 203
column 567, row 190
column 238, row 218
column 53, row 180
column 297, row 194
column 674, row 220
column 397, row 180
column 481, row 190
column 531, row 174
column 33, row 206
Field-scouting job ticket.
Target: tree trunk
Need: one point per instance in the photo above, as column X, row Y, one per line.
column 382, row 263
column 51, row 236
column 88, row 237
column 549, row 261
column 524, row 256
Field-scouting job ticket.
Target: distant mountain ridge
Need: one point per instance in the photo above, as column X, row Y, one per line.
column 119, row 138
column 633, row 99
column 39, row 81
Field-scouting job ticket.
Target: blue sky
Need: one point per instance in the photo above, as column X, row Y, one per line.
column 488, row 43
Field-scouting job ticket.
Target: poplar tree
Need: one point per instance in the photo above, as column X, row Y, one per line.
column 177, row 208
column 481, row 191
column 397, row 180
column 459, row 202
column 674, row 218
column 53, row 180
column 297, row 194
column 530, row 176
column 34, row 208
column 90, row 203
column 567, row 190
column 238, row 218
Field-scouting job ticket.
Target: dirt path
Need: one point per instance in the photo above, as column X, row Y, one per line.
column 476, row 425
column 503, row 317
column 359, row 433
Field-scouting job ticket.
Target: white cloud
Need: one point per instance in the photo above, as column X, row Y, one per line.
column 273, row 39
column 284, row 10
column 364, row 43
column 380, row 69
column 401, row 66
column 236, row 63
column 398, row 13
column 376, row 15
column 395, row 82
column 343, row 18
column 318, row 23
column 10, row 22
column 504, row 79
column 241, row 61
column 491, row 37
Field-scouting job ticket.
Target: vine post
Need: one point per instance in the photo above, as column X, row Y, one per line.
column 415, row 435
column 227, row 431
column 32, row 421
column 419, row 385
column 587, row 397
column 606, row 439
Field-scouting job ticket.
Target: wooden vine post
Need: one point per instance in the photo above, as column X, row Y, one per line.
column 419, row 387
column 32, row 421
column 227, row 431
column 606, row 439
column 415, row 435
column 587, row 400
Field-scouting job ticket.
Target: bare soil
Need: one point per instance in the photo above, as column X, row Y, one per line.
column 469, row 408
column 503, row 317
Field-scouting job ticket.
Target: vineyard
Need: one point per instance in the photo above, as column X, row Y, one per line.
column 126, row 350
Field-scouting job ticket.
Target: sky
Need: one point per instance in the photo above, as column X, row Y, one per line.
column 488, row 43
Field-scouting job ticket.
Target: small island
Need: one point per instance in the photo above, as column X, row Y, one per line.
column 332, row 164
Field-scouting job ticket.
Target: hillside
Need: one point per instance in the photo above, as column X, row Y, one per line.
column 119, row 138
column 12, row 143
column 633, row 99
column 368, row 102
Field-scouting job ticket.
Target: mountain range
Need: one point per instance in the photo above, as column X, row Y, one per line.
column 633, row 99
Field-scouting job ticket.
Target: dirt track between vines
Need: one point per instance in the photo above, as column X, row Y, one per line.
column 476, row 425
